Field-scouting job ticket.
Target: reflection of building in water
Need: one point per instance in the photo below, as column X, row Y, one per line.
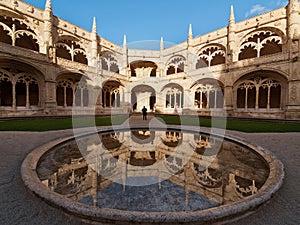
column 222, row 177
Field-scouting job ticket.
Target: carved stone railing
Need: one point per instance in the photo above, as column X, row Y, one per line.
column 22, row 52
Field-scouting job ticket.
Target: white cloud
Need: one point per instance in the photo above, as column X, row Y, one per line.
column 256, row 9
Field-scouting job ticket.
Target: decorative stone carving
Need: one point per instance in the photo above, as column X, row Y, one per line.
column 30, row 9
column 143, row 72
column 294, row 94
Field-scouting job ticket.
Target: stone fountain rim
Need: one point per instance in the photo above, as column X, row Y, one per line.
column 220, row 213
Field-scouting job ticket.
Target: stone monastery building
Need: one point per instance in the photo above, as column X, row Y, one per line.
column 249, row 69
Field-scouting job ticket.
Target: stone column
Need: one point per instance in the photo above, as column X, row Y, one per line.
column 27, row 96
column 14, row 102
column 228, row 100
column 50, row 96
column 188, row 102
column 160, row 101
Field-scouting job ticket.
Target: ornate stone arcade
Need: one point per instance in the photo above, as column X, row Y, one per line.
column 254, row 65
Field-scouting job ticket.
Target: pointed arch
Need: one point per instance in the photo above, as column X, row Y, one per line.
column 20, row 85
column 208, row 94
column 15, row 32
column 211, row 55
column 143, row 69
column 68, row 47
column 173, row 94
column 260, row 90
column 108, row 61
column 72, row 90
column 175, row 65
column 261, row 42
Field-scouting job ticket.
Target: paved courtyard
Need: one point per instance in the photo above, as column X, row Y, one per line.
column 19, row 206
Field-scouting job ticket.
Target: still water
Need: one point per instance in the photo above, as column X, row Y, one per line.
column 153, row 171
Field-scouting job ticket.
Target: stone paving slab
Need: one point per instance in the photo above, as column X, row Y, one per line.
column 19, row 206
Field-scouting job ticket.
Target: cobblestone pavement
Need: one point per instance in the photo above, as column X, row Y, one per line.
column 19, row 206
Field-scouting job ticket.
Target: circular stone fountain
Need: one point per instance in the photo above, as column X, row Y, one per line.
column 147, row 176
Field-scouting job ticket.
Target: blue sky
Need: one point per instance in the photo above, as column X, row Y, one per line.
column 144, row 20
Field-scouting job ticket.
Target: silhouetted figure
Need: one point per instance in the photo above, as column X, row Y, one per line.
column 144, row 110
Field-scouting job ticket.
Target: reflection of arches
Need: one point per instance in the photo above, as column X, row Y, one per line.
column 110, row 141
column 208, row 177
column 173, row 164
column 20, row 85
column 210, row 56
column 111, row 94
column 72, row 90
column 175, row 65
column 142, row 158
column 16, row 33
column 260, row 43
column 260, row 90
column 142, row 136
column 70, row 50
column 143, row 69
column 209, row 94
column 143, row 95
column 172, row 138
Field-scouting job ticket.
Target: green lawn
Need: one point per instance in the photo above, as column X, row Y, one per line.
column 249, row 126
column 66, row 123
column 58, row 124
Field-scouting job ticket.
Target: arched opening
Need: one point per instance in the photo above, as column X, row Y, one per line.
column 111, row 94
column 27, row 91
column 16, row 33
column 109, row 62
column 260, row 43
column 218, row 59
column 201, row 63
column 70, row 50
column 27, row 41
column 271, row 47
column 81, row 58
column 62, row 52
column 209, row 94
column 34, row 94
column 175, row 65
column 260, row 90
column 171, row 70
column 4, row 37
column 20, row 94
column 20, row 85
column 6, row 95
column 143, row 69
column 173, row 94
column 248, row 53
column 211, row 55
column 72, row 90
column 143, row 95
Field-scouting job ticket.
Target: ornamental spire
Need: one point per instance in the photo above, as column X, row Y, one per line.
column 124, row 41
column 190, row 36
column 162, row 43
column 94, row 29
column 48, row 6
column 232, row 17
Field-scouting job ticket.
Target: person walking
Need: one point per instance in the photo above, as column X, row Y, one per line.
column 144, row 110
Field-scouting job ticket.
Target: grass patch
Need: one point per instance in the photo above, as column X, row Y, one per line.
column 249, row 126
column 59, row 123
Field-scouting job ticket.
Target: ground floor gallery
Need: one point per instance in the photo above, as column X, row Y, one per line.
column 25, row 91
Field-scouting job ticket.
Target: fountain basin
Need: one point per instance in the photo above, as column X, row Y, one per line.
column 230, row 207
